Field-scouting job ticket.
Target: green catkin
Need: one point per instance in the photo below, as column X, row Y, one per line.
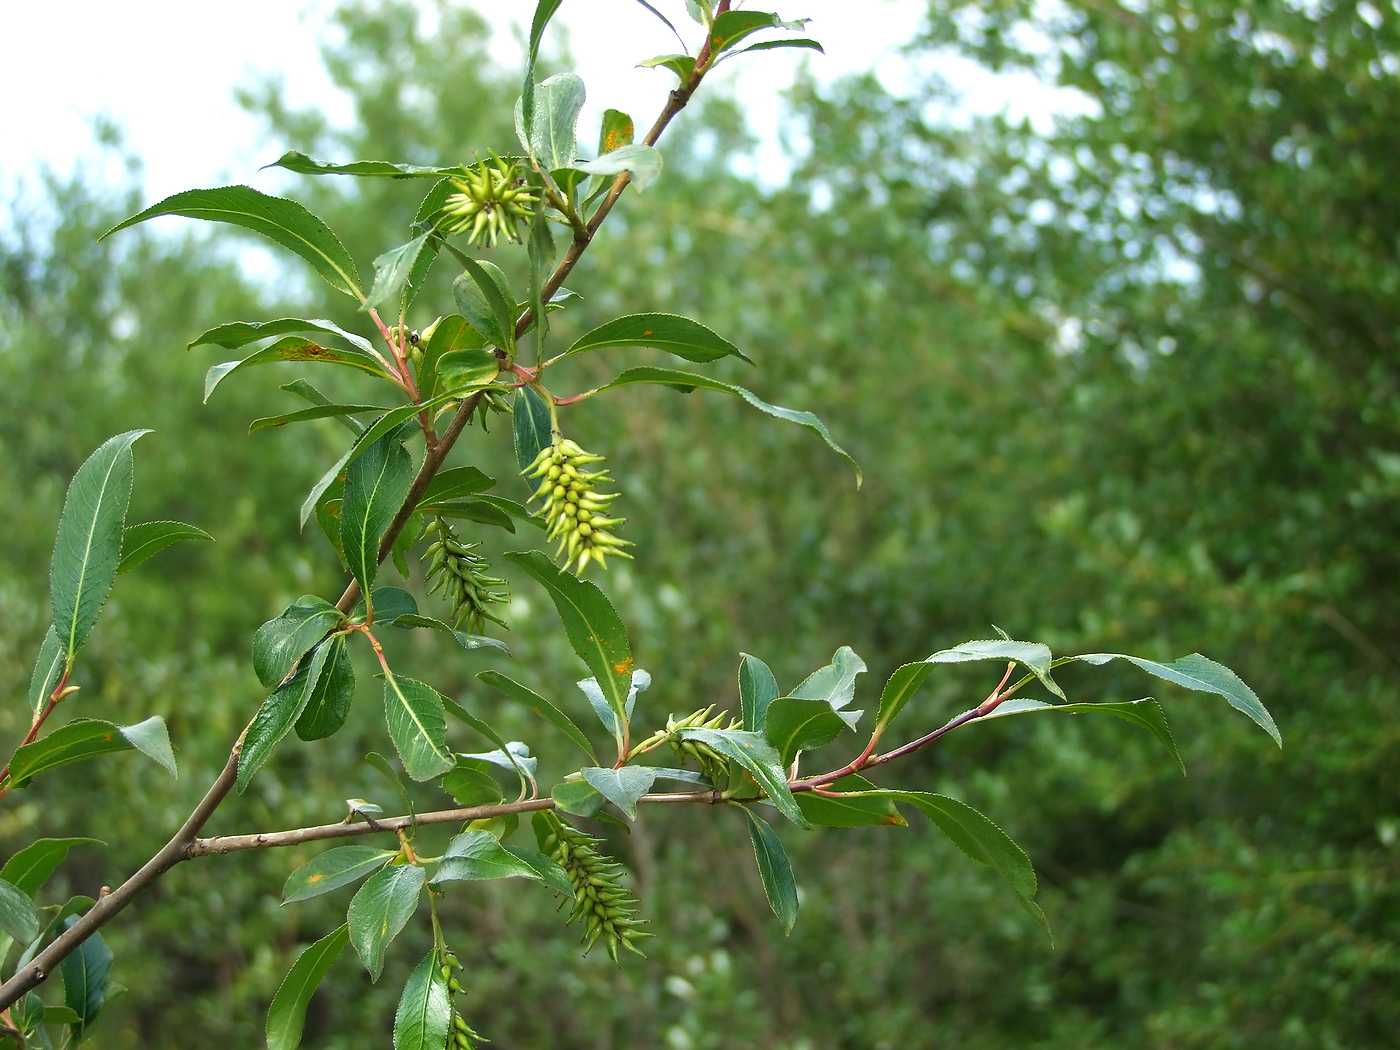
column 491, row 203
column 574, row 511
column 712, row 764
column 460, row 1033
column 608, row 911
column 461, row 574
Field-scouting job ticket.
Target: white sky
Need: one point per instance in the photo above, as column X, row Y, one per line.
column 165, row 71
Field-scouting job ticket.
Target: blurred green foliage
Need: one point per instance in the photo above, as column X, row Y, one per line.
column 1129, row 385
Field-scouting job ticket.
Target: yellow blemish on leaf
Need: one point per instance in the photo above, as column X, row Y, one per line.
column 624, row 667
column 314, row 879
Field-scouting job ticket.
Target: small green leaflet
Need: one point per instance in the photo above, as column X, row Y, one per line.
column 552, row 136
column 733, row 26
column 531, row 426
column 681, row 65
column 483, row 296
column 757, row 756
column 774, row 869
column 283, row 640
column 454, row 483
column 48, row 671
column 278, row 714
column 140, row 542
column 1145, row 714
column 380, row 910
column 617, row 128
column 472, row 787
column 85, row 738
column 85, row 973
column 835, row 684
column 287, row 1015
column 413, row 711
column 318, row 412
column 282, row 220
column 578, row 797
column 902, row 685
column 622, row 787
column 757, row 689
column 1034, row 655
column 794, row 724
column 476, row 855
column 670, row 332
column 328, row 702
column 424, row 1015
column 295, row 160
column 333, row 869
column 393, row 272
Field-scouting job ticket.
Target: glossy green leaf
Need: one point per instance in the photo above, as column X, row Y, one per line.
column 670, row 332
column 643, row 162
column 48, row 671
column 622, row 787
column 31, row 867
column 85, row 972
column 902, row 685
column 757, row 689
column 1145, row 714
column 318, row 412
column 376, row 484
column 392, row 273
column 795, row 724
column 18, row 916
column 835, row 684
column 236, row 334
column 295, row 160
column 478, row 510
column 578, row 797
column 463, row 370
column 380, row 910
column 282, row 641
column 423, row 1019
column 531, row 425
column 733, row 26
column 595, row 630
column 413, row 711
column 87, row 549
column 307, row 392
column 279, row 713
column 483, row 296
column 525, row 108
column 390, row 603
column 552, row 136
column 329, row 699
column 759, row 758
column 477, row 855
column 773, row 868
column 1035, row 656
column 140, row 542
column 616, row 131
column 513, row 755
column 281, row 220
column 532, row 701
column 466, row 641
column 688, row 381
column 152, row 739
column 472, row 787
column 681, row 65
column 602, row 707
column 455, row 483
column 85, row 738
column 333, row 869
column 294, row 348
column 447, row 334
column 287, row 1015
column 510, row 507
column 1203, row 675
column 848, row 812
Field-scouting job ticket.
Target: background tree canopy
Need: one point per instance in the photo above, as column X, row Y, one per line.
column 1133, row 382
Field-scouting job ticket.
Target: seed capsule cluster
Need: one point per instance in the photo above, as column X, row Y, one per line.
column 460, row 1034
column 607, row 909
column 573, row 510
column 491, row 202
column 453, row 566
column 712, row 764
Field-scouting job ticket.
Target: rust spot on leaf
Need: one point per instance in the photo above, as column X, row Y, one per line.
column 314, row 879
column 625, row 667
column 107, row 739
column 647, row 332
column 307, row 351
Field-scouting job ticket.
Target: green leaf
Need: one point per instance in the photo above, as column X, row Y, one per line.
column 525, row 109
column 508, row 758
column 381, row 909
column 670, row 332
column 902, row 685
column 476, row 510
column 283, row 640
column 424, row 1015
column 1034, row 655
column 595, row 630
column 330, row 697
column 140, row 542
column 770, row 45
column 455, row 483
column 622, row 787
column 644, row 162
column 48, row 671
column 85, row 971
column 413, row 711
column 835, row 684
column 18, row 916
column 392, row 273
column 294, row 348
column 688, row 381
column 531, row 424
column 318, row 412
column 532, row 701
column 87, row 549
column 278, row 714
column 307, row 392
column 333, row 869
column 773, row 868
column 287, row 1015
column 603, row 708
column 552, row 136
column 1145, row 714
column 757, row 756
column 31, row 867
column 483, row 296
column 795, row 724
column 462, row 370
column 467, row 641
column 578, row 797
column 85, row 738
column 478, row 855
column 733, row 26
column 282, row 220
column 681, row 65
column 236, row 334
column 151, row 738
column 1206, row 676
column 757, row 689
column 295, row 160
column 616, row 130
column 448, row 333
column 472, row 787
column 847, row 812
column 376, row 484
column 390, row 603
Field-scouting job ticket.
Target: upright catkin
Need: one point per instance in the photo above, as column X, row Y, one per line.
column 574, row 510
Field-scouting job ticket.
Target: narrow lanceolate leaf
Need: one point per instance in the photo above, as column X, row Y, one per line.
column 795, row 724
column 333, row 869
column 424, row 1015
column 85, row 738
column 470, row 642
column 773, row 868
column 283, row 640
column 483, row 296
column 140, row 542
column 595, row 630
column 85, row 973
column 759, row 758
column 826, row 811
column 902, row 685
column 731, row 27
column 622, row 787
column 294, row 348
column 295, row 160
column 688, row 381
column 31, row 867
column 1145, row 714
column 1034, row 655
column 18, row 916
column 317, row 412
column 236, row 334
column 281, row 220
column 553, row 135
column 1203, row 675
column 757, row 689
column 532, row 701
column 670, row 332
column 287, row 1015
column 87, row 549
column 413, row 711
column 477, row 855
column 278, row 714
column 380, row 910
column 48, row 671
column 644, row 162
column 770, row 45
column 530, row 423
column 328, row 702
column 392, row 273
column 376, row 484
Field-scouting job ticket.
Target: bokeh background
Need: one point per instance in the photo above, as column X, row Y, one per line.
column 1120, row 361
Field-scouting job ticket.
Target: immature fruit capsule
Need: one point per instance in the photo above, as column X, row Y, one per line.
column 453, row 567
column 491, row 202
column 713, row 764
column 574, row 511
column 606, row 907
